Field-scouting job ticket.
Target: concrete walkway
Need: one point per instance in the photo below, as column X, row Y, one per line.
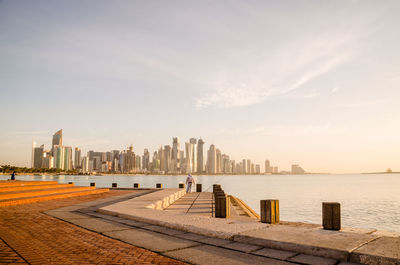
column 192, row 214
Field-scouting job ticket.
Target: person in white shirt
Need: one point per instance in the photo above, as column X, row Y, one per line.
column 189, row 182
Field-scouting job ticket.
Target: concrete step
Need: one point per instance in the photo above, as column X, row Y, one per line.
column 33, row 187
column 47, row 197
column 23, row 194
column 25, row 183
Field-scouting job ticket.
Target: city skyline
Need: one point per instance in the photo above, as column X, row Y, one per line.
column 168, row 159
column 308, row 83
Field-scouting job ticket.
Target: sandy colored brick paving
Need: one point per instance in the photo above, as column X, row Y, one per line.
column 41, row 239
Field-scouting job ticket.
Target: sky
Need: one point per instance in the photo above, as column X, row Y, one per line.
column 315, row 83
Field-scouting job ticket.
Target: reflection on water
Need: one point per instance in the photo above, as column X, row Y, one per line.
column 367, row 201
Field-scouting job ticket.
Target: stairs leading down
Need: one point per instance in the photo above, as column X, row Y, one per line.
column 24, row 192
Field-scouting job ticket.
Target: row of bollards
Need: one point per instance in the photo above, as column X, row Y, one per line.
column 158, row 186
column 222, row 202
column 269, row 209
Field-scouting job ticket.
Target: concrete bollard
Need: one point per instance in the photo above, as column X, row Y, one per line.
column 159, row 186
column 136, row 185
column 199, row 187
column 114, row 185
column 181, row 185
column 331, row 215
column 269, row 211
column 92, row 184
column 70, row 183
column 222, row 206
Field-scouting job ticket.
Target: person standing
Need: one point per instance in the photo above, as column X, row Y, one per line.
column 189, row 181
column 13, row 176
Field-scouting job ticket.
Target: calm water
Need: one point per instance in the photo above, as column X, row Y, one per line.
column 367, row 201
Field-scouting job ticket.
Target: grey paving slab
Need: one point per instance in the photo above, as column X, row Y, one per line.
column 133, row 223
column 98, row 225
column 375, row 252
column 68, row 208
column 308, row 240
column 67, row 216
column 274, row 253
column 163, row 230
column 312, row 260
column 151, row 240
column 247, row 248
column 215, row 241
column 206, row 254
column 191, row 236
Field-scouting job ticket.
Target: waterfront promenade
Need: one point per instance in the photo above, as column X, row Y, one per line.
column 167, row 226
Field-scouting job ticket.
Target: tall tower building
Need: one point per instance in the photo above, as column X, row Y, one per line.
column 244, row 169
column 200, row 156
column 67, row 158
column 58, row 157
column 57, row 140
column 218, row 161
column 212, row 160
column 77, row 158
column 33, row 154
column 193, row 143
column 38, row 157
column 188, row 157
column 176, row 155
column 167, row 161
column 268, row 168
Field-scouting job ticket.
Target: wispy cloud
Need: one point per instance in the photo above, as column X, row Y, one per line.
column 279, row 72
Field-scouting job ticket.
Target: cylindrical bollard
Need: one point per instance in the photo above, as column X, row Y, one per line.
column 181, row 185
column 70, row 183
column 136, row 185
column 198, row 188
column 158, row 185
column 92, row 184
column 114, row 185
column 269, row 211
column 331, row 215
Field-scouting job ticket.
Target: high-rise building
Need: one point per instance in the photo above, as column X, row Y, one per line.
column 212, row 160
column 77, row 158
column 200, row 156
column 218, row 158
column 85, row 164
column 188, row 157
column 248, row 166
column 33, row 154
column 193, row 143
column 258, row 169
column 67, row 158
column 167, row 161
column 268, row 168
column 58, row 154
column 38, row 157
column 244, row 168
column 176, row 155
column 146, row 160
column 57, row 140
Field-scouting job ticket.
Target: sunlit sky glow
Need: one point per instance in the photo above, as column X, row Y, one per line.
column 315, row 83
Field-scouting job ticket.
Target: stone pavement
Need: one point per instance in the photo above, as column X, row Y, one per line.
column 306, row 243
column 28, row 235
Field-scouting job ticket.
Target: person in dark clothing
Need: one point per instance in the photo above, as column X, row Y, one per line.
column 13, row 176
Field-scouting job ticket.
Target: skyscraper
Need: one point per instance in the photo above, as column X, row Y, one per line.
column 77, row 158
column 188, row 157
column 212, row 160
column 176, row 155
column 67, row 158
column 38, row 157
column 193, row 143
column 33, row 154
column 57, row 140
column 268, row 168
column 58, row 154
column 200, row 156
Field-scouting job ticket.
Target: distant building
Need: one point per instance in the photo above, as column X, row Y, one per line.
column 258, row 169
column 77, row 158
column 38, row 157
column 57, row 140
column 67, row 158
column 268, row 168
column 200, row 156
column 176, row 155
column 296, row 169
column 212, row 160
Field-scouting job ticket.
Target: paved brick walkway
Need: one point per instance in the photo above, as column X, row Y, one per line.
column 41, row 239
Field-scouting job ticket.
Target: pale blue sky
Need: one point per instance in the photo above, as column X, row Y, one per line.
column 308, row 82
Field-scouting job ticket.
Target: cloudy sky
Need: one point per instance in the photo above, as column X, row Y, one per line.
column 316, row 83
